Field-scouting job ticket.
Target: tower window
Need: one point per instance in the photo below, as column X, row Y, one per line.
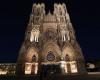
column 50, row 56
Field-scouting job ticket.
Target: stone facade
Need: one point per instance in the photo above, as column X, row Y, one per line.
column 50, row 40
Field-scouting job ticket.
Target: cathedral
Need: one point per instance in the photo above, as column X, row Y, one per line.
column 50, row 45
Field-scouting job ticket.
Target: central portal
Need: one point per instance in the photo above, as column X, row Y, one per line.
column 50, row 69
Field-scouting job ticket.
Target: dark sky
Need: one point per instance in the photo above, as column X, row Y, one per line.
column 14, row 16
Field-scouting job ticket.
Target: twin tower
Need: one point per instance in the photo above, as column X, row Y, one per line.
column 50, row 45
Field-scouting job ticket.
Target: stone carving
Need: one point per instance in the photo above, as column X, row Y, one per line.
column 35, row 34
column 64, row 33
column 61, row 12
column 51, row 32
column 38, row 9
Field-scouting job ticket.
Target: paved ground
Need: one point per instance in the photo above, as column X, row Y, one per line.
column 89, row 76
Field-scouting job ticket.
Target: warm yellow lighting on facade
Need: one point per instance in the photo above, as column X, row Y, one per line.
column 28, row 67
column 63, row 66
column 36, row 68
column 73, row 66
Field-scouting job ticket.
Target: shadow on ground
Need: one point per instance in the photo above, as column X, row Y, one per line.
column 89, row 76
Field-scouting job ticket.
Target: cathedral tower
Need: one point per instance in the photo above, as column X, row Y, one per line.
column 50, row 45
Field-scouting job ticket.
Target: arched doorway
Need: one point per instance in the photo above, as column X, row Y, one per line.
column 51, row 56
column 31, row 64
column 32, row 55
column 51, row 52
column 69, row 56
column 34, row 58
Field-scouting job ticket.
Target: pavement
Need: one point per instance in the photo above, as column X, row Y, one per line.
column 89, row 76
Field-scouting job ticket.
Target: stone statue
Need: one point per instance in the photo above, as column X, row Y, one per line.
column 64, row 33
column 35, row 34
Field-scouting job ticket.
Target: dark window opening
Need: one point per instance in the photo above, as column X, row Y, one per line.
column 50, row 56
column 34, row 59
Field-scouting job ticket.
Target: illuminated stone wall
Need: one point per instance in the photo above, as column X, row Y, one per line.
column 50, row 38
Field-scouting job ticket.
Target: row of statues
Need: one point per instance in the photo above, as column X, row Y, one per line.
column 35, row 33
column 64, row 34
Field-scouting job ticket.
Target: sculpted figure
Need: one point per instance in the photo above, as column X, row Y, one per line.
column 35, row 35
column 64, row 34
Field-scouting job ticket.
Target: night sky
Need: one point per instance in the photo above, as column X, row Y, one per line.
column 14, row 17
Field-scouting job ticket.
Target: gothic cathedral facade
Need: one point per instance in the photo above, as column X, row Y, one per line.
column 50, row 45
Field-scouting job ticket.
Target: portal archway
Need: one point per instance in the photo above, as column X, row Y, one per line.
column 51, row 52
column 31, row 64
column 32, row 55
column 68, row 54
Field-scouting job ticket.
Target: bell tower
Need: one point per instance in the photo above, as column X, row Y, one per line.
column 50, row 45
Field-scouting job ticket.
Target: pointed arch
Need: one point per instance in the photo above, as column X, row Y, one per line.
column 51, row 49
column 68, row 52
column 32, row 53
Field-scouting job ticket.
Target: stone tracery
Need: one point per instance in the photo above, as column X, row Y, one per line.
column 44, row 35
